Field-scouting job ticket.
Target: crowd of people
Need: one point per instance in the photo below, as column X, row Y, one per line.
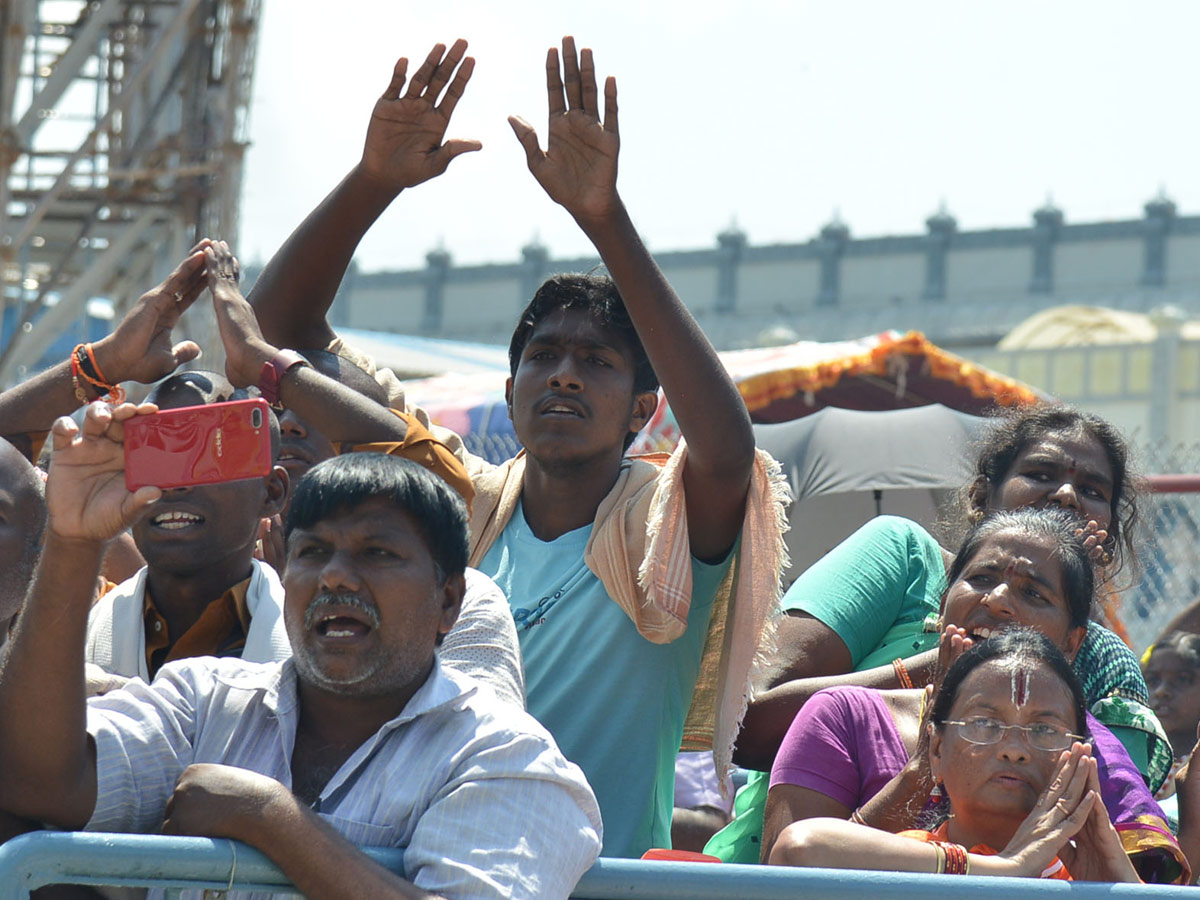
column 384, row 641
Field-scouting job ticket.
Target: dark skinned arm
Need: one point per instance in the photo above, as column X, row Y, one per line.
column 48, row 759
column 228, row 802
column 139, row 349
column 1187, row 786
column 404, row 147
column 578, row 170
column 340, row 413
column 788, row 803
column 770, row 714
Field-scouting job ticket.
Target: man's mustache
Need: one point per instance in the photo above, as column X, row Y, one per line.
column 343, row 599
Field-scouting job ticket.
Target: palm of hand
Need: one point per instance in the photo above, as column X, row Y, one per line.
column 149, row 336
column 579, row 169
column 403, row 139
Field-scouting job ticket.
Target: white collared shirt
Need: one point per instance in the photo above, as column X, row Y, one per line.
column 473, row 789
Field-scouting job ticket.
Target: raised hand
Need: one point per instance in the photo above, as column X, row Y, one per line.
column 1098, row 854
column 953, row 643
column 1061, row 812
column 1095, row 540
column 405, row 136
column 245, row 348
column 270, row 547
column 86, row 497
column 140, row 348
column 578, row 169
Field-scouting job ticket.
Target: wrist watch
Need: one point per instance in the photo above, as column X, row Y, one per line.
column 272, row 374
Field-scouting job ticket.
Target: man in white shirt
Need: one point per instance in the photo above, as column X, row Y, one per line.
column 362, row 738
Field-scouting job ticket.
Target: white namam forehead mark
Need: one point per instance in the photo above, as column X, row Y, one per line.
column 1021, row 679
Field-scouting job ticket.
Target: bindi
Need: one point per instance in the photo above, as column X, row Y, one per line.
column 1070, row 466
column 1020, row 687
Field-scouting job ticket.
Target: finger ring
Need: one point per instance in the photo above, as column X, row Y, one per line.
column 178, row 297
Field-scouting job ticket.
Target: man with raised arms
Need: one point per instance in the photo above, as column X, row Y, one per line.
column 619, row 571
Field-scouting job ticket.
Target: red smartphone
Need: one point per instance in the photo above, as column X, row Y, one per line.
column 198, row 445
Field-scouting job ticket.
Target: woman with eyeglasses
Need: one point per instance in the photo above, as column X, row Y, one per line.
column 1009, row 749
column 861, row 754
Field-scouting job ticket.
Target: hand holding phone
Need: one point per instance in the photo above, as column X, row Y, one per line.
column 198, row 445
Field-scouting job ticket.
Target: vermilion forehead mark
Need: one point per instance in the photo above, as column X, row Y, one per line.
column 1071, row 465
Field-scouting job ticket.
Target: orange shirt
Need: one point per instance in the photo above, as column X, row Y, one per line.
column 422, row 447
column 221, row 628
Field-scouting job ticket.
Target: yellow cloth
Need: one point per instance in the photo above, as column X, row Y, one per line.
column 422, row 447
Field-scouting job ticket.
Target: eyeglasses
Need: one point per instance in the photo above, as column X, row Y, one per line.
column 1040, row 735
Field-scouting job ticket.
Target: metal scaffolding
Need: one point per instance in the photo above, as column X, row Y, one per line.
column 123, row 125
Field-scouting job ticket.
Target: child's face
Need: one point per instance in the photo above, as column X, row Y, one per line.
column 1174, row 693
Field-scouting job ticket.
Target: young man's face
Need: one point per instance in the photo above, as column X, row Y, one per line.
column 365, row 603
column 572, row 398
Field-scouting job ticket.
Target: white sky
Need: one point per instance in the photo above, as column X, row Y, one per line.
column 775, row 113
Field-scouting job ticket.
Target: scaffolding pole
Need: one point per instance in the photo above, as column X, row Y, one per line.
column 122, row 136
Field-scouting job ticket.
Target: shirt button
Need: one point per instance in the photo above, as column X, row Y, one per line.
column 158, row 626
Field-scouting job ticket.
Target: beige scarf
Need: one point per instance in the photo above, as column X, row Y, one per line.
column 639, row 550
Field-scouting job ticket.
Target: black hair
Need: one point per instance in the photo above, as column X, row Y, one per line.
column 344, row 482
column 1020, row 645
column 1079, row 580
column 598, row 296
column 1014, row 432
column 1184, row 643
column 200, row 387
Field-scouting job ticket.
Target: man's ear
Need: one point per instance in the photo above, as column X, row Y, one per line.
column 508, row 396
column 452, row 597
column 977, row 499
column 279, row 488
column 644, row 405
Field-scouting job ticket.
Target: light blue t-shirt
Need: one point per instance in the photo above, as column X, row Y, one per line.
column 614, row 701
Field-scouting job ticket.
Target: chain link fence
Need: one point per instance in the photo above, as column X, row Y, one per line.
column 1168, row 544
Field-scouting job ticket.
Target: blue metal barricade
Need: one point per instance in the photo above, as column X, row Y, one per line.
column 34, row 860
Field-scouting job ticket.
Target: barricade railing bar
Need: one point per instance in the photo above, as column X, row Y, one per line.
column 177, row 863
